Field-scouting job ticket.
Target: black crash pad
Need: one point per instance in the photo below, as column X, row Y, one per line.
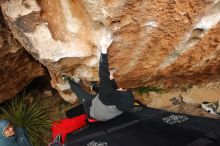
column 149, row 127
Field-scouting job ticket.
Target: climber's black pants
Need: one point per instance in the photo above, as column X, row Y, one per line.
column 84, row 97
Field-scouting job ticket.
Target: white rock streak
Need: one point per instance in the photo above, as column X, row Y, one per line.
column 54, row 50
column 72, row 23
column 211, row 19
column 16, row 9
column 207, row 22
column 151, row 23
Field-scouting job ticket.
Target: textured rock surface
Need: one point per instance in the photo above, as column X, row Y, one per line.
column 159, row 42
column 17, row 67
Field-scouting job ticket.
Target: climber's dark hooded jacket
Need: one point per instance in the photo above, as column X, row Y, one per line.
column 19, row 139
column 109, row 103
column 108, row 94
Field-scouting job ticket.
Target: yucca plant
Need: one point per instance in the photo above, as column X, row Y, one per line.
column 33, row 116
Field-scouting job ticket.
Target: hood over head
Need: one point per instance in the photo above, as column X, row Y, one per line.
column 6, row 141
column 126, row 100
column 3, row 125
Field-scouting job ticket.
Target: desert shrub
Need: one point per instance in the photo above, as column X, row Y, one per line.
column 31, row 115
column 147, row 89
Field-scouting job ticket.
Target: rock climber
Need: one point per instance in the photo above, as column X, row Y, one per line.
column 110, row 101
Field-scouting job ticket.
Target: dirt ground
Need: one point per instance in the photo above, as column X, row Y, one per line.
column 189, row 99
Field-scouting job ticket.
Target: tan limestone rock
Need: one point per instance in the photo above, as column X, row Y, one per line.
column 162, row 43
column 17, row 67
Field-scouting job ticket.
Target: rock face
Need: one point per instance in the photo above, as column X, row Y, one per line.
column 159, row 42
column 17, row 67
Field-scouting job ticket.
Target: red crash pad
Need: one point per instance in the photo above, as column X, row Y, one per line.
column 65, row 126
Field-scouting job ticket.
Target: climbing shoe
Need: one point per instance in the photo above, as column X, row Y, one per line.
column 67, row 78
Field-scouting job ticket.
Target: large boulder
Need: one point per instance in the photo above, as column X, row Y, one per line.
column 17, row 67
column 159, row 42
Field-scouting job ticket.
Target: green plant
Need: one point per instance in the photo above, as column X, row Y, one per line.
column 147, row 89
column 33, row 116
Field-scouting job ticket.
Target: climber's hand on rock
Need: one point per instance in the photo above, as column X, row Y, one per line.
column 105, row 41
column 120, row 89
